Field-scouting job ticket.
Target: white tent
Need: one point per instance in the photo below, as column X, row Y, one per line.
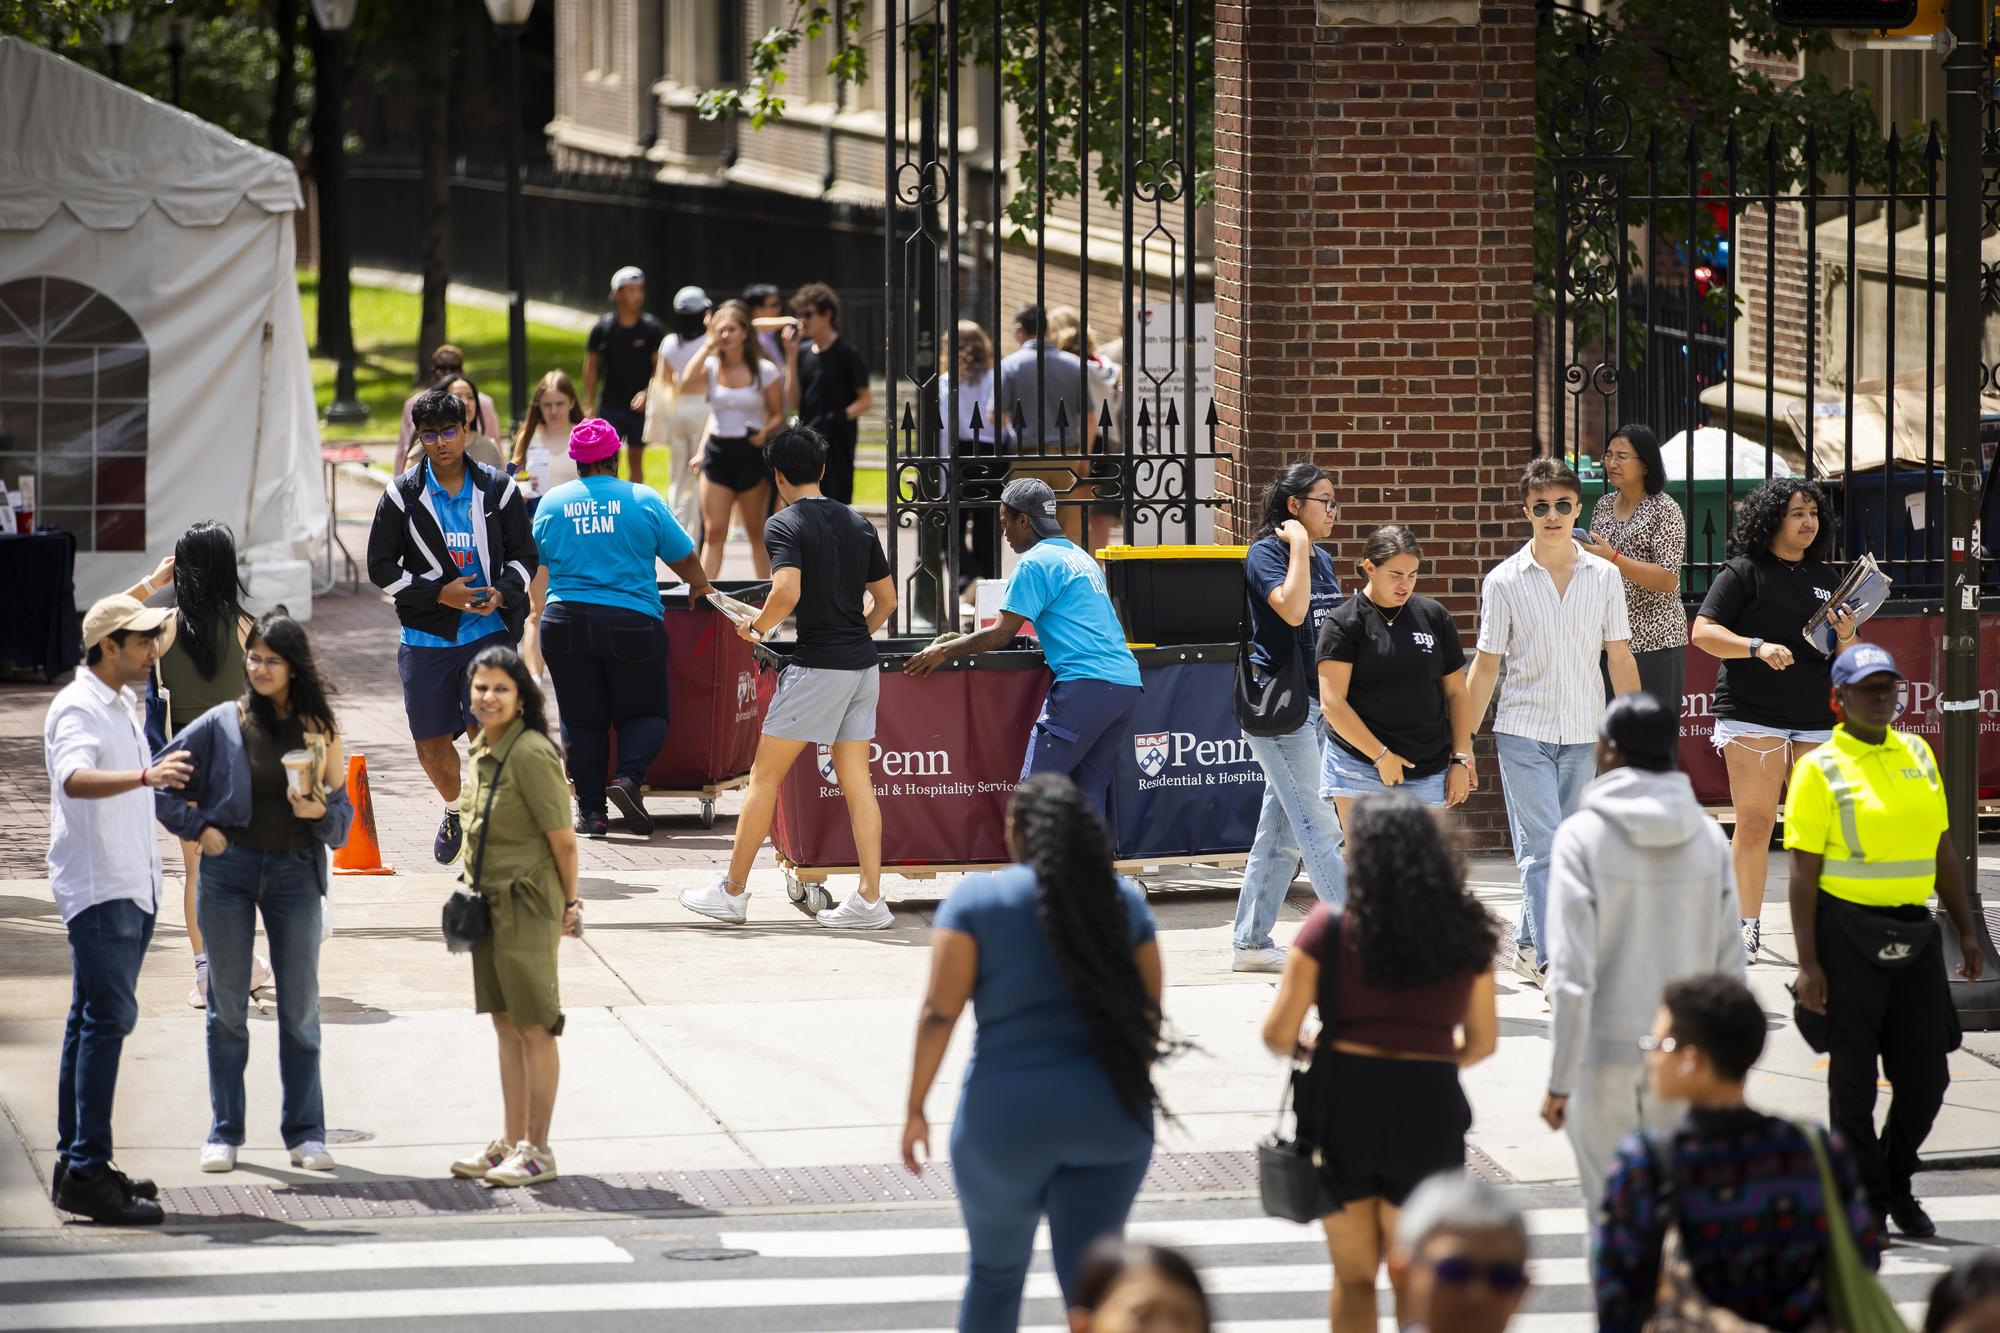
column 153, row 365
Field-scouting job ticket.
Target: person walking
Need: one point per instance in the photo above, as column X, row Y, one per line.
column 682, row 416
column 1055, row 1111
column 450, row 545
column 1087, row 717
column 1070, row 334
column 825, row 559
column 1392, row 686
column 1458, row 1260
column 1547, row 612
column 767, row 311
column 1403, row 981
column 1640, row 531
column 826, row 383
column 480, row 445
column 619, row 356
column 1127, row 1287
column 523, row 863
column 1045, row 395
column 1640, row 894
column 268, row 797
column 541, row 442
column 1290, row 589
column 603, row 633
column 1730, row 1183
column 1771, row 693
column 1868, row 831
column 976, row 449
column 104, row 872
column 745, row 400
column 447, row 364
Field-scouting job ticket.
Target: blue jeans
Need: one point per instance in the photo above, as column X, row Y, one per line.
column 1083, row 727
column 1543, row 782
column 1292, row 823
column 1054, row 1140
column 285, row 887
column 106, row 945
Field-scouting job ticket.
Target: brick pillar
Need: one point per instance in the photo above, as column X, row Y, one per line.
column 1374, row 254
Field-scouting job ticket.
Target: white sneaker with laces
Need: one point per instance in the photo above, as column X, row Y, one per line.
column 218, row 1157
column 857, row 913
column 312, row 1156
column 1268, row 959
column 717, row 903
column 477, row 1165
column 526, row 1165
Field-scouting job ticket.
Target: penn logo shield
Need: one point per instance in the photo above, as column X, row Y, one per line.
column 1150, row 749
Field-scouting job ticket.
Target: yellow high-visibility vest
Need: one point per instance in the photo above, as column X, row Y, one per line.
column 1874, row 813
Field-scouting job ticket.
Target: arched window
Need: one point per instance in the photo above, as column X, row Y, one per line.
column 73, row 395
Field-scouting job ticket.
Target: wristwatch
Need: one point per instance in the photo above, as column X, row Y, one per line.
column 1464, row 759
column 1756, row 646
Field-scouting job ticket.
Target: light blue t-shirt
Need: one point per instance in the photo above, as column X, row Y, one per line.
column 1060, row 588
column 1025, row 1012
column 454, row 514
column 598, row 537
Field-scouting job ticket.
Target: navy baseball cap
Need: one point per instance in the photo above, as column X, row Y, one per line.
column 1863, row 660
column 1026, row 495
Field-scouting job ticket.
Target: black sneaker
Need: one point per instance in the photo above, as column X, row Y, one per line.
column 450, row 837
column 625, row 794
column 593, row 825
column 1911, row 1219
column 136, row 1186
column 101, row 1196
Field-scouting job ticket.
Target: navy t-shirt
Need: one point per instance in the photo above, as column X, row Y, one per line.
column 1264, row 569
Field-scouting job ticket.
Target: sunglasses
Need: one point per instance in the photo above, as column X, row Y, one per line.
column 448, row 434
column 1540, row 508
column 1664, row 1045
column 1453, row 1271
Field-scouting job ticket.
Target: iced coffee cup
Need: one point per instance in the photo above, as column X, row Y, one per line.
column 298, row 763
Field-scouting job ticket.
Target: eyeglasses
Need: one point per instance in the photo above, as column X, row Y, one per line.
column 1332, row 505
column 254, row 660
column 1454, row 1271
column 1619, row 456
column 448, row 434
column 1664, row 1045
column 1540, row 508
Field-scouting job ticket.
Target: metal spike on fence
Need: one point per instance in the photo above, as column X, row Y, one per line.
column 978, row 423
column 1211, row 418
column 1020, row 420
column 1708, row 536
column 1104, row 419
column 1173, row 415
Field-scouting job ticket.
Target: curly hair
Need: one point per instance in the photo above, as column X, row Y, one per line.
column 1761, row 513
column 1081, row 910
column 1414, row 922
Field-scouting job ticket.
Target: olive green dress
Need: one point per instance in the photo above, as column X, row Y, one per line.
column 514, row 968
column 189, row 696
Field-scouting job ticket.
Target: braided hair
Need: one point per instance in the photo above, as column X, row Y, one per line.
column 1082, row 915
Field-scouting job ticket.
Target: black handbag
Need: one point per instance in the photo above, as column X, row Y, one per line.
column 1291, row 1178
column 1276, row 706
column 468, row 917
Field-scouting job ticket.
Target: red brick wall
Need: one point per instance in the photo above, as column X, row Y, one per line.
column 1374, row 246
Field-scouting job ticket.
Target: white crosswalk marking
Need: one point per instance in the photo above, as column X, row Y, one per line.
column 347, row 1257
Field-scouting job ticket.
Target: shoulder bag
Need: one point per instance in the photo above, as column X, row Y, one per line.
column 1277, row 705
column 1289, row 1180
column 468, row 917
column 1856, row 1301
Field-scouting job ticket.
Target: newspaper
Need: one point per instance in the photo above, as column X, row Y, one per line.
column 740, row 613
column 1864, row 589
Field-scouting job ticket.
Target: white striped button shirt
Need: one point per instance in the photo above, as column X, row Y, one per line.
column 1551, row 690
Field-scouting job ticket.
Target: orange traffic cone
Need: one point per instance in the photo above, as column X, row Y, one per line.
column 361, row 855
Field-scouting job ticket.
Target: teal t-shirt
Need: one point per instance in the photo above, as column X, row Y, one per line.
column 1060, row 589
column 454, row 515
column 599, row 536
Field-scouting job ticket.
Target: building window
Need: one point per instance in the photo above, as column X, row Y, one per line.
column 74, row 373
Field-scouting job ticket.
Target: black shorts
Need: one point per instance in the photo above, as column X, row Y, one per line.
column 734, row 463
column 437, row 692
column 629, row 424
column 1386, row 1126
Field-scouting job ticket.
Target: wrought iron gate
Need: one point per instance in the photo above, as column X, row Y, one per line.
column 1138, row 461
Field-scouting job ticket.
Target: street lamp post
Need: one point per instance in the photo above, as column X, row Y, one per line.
column 336, row 325
column 176, row 31
column 117, row 34
column 509, row 16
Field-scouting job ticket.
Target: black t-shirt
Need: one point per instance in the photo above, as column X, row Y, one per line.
column 1762, row 597
column 627, row 350
column 272, row 827
column 837, row 555
column 828, row 382
column 1398, row 668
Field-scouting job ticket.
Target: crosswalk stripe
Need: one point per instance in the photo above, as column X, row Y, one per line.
column 346, row 1256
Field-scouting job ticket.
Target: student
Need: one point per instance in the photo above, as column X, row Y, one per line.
column 824, row 557
column 541, row 442
column 1640, row 894
column 1044, row 396
column 480, row 447
column 978, row 468
column 767, row 311
column 1458, row 1259
column 1127, row 1287
column 746, row 402
column 826, row 383
column 1547, row 612
column 104, row 869
column 620, row 355
column 683, row 416
column 1087, row 716
column 447, row 364
column 448, row 517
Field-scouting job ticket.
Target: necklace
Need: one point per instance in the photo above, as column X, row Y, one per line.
column 1387, row 619
column 1794, row 565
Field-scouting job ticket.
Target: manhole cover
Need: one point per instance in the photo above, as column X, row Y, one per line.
column 348, row 1136
column 700, row 1254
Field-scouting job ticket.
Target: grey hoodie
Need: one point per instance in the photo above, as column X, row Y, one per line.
column 1641, row 893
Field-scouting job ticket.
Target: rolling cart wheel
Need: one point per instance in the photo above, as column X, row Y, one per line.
column 793, row 889
column 708, row 814
column 817, row 898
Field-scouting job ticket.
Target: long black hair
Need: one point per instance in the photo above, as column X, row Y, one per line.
column 287, row 638
column 1289, row 485
column 534, row 710
column 1762, row 512
column 1107, row 1262
column 207, row 593
column 1083, row 917
column 1414, row 922
column 1647, row 445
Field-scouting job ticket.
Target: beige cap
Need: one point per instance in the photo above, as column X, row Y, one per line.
column 109, row 614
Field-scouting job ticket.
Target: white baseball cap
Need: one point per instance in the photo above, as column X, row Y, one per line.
column 626, row 276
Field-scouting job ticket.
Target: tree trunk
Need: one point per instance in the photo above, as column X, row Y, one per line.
column 436, row 186
column 284, row 88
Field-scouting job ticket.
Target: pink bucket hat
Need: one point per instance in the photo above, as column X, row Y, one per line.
column 592, row 440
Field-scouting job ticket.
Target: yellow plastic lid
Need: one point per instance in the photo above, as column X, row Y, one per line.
column 1173, row 553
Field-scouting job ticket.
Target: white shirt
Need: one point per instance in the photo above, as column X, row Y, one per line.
column 675, row 352
column 976, row 391
column 548, row 460
column 738, row 411
column 101, row 850
column 1552, row 690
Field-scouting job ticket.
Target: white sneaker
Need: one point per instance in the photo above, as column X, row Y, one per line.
column 1753, row 939
column 312, row 1156
column 198, row 997
column 718, row 903
column 1268, row 959
column 1528, row 965
column 260, row 973
column 857, row 913
column 476, row 1166
column 218, row 1157
column 526, row 1165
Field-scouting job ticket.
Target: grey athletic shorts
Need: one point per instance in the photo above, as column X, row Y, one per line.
column 824, row 705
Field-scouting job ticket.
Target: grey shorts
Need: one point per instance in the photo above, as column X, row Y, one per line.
column 824, row 705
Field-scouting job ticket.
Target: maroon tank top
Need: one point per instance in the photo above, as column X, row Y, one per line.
column 1417, row 1020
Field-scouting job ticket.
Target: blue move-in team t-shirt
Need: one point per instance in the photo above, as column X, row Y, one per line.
column 1059, row 588
column 1264, row 568
column 599, row 536
column 1027, row 1016
column 454, row 515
